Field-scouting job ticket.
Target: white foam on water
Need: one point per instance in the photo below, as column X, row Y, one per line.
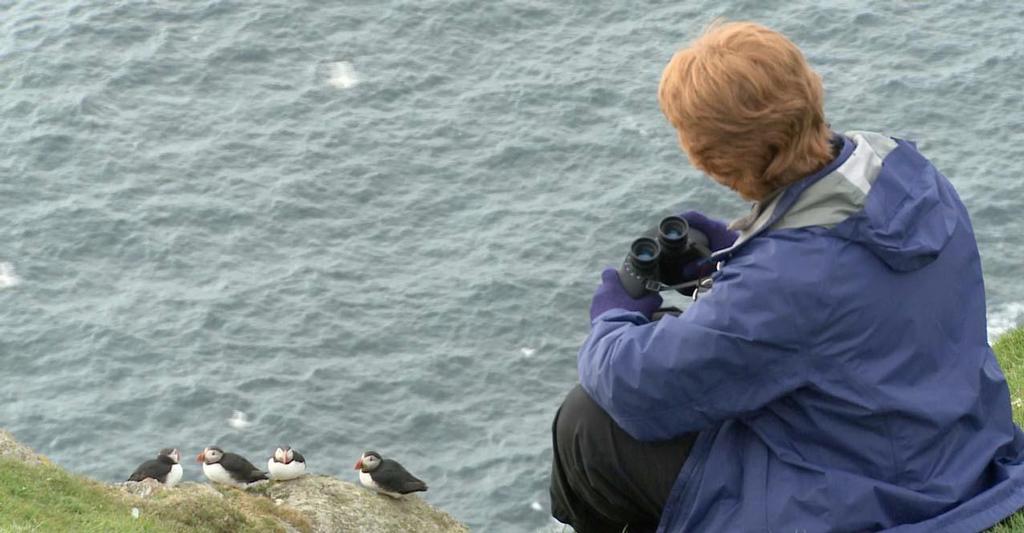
column 527, row 352
column 7, row 276
column 341, row 75
column 238, row 420
column 1005, row 318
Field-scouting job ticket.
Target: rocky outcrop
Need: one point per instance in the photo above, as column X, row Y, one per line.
column 333, row 505
column 16, row 450
column 326, row 504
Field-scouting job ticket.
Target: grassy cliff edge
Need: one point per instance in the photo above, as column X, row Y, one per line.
column 1009, row 349
column 36, row 495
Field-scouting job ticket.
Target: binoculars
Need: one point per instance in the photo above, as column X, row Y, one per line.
column 655, row 261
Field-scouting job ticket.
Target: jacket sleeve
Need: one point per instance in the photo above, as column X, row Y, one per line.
column 730, row 353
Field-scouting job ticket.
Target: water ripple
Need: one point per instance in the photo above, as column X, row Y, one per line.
column 372, row 226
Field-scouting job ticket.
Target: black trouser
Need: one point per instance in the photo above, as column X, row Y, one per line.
column 601, row 478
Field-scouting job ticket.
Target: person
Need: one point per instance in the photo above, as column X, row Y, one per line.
column 836, row 377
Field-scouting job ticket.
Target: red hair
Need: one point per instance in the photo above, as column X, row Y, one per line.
column 748, row 108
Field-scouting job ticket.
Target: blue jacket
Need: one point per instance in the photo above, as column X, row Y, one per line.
column 838, row 371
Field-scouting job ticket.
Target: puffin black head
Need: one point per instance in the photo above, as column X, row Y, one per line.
column 369, row 462
column 171, row 453
column 210, row 455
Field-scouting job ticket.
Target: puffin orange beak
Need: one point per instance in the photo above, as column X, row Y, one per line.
column 359, row 464
column 201, row 457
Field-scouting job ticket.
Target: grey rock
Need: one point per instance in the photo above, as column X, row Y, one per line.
column 16, row 450
column 148, row 487
column 338, row 506
column 330, row 505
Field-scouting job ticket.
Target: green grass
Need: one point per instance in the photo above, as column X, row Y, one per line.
column 46, row 498
column 1014, row 524
column 1010, row 351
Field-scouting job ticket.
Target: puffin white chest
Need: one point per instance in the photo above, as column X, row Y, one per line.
column 174, row 476
column 284, row 472
column 369, row 483
column 217, row 474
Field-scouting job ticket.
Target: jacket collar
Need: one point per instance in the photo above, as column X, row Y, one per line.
column 768, row 212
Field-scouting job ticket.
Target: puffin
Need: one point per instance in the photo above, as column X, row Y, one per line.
column 165, row 468
column 228, row 468
column 286, row 464
column 387, row 476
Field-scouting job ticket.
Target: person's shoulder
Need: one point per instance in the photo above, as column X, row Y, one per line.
column 793, row 268
column 795, row 253
column 776, row 288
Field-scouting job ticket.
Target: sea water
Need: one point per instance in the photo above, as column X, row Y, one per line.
column 377, row 224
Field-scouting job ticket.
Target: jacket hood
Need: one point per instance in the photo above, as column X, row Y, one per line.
column 879, row 192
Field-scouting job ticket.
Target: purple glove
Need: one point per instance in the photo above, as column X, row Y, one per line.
column 611, row 295
column 719, row 237
column 718, row 234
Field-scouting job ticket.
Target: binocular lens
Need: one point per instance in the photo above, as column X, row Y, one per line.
column 658, row 260
column 644, row 251
column 641, row 265
column 672, row 231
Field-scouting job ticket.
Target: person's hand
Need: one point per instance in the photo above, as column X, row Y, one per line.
column 719, row 237
column 611, row 295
